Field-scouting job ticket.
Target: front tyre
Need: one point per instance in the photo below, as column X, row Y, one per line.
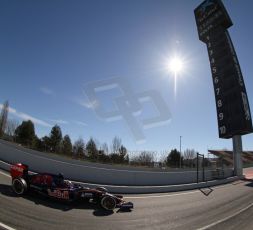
column 108, row 203
column 19, row 186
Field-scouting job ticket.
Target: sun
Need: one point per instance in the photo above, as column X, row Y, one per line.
column 176, row 65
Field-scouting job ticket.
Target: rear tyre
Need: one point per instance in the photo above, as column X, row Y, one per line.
column 19, row 186
column 108, row 203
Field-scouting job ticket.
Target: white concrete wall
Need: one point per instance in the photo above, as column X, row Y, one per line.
column 119, row 177
column 150, row 189
column 78, row 171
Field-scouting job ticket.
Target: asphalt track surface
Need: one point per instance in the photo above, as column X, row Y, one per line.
column 223, row 207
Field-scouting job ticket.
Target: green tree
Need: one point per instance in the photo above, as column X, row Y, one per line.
column 79, row 148
column 127, row 159
column 25, row 133
column 66, row 145
column 55, row 139
column 102, row 156
column 91, row 149
column 46, row 145
column 37, row 143
column 122, row 153
column 3, row 118
column 173, row 158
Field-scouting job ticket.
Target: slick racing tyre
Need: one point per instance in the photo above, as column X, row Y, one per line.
column 108, row 203
column 19, row 186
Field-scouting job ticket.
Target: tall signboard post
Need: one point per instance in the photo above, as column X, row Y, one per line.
column 233, row 111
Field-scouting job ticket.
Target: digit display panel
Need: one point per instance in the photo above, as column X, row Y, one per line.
column 233, row 111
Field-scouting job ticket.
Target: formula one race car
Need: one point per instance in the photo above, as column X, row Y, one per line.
column 56, row 186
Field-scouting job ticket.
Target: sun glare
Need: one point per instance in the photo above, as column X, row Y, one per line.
column 175, row 65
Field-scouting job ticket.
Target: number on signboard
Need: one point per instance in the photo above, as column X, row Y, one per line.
column 219, row 103
column 223, row 129
column 221, row 116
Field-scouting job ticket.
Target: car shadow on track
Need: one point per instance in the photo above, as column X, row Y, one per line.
column 64, row 206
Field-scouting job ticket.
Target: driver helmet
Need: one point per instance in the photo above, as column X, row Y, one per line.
column 60, row 179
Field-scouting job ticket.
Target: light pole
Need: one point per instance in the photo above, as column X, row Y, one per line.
column 180, row 153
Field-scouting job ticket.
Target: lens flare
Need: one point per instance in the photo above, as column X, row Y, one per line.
column 176, row 65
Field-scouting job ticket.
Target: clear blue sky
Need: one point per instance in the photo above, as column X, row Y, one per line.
column 51, row 49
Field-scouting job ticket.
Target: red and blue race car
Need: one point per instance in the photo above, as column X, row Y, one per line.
column 56, row 186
